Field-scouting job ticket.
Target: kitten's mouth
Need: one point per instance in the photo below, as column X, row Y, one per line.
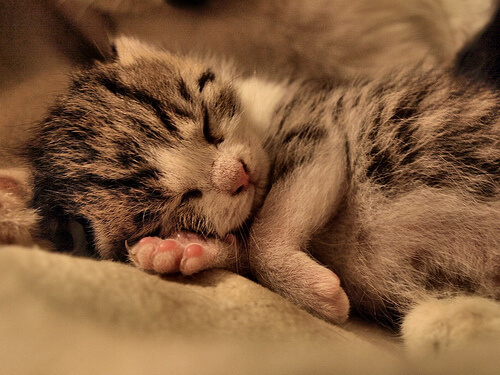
column 228, row 238
column 240, row 231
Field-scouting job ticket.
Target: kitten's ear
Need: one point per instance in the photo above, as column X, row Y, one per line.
column 127, row 50
column 480, row 59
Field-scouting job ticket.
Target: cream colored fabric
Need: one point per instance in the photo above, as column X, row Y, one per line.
column 66, row 315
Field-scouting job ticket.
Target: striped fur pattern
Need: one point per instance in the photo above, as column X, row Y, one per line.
column 421, row 213
column 391, row 184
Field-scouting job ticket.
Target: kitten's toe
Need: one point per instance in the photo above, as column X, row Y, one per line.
column 155, row 254
column 195, row 259
column 183, row 252
column 168, row 256
column 308, row 284
column 320, row 294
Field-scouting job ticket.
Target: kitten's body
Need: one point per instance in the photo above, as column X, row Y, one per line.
column 417, row 213
column 393, row 185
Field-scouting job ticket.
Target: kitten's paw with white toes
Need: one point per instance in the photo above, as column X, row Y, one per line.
column 440, row 326
column 328, row 298
column 320, row 293
column 155, row 254
column 186, row 253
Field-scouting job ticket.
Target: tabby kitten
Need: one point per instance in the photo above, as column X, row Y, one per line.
column 393, row 185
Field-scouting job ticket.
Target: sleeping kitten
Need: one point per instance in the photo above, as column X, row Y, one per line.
column 393, row 185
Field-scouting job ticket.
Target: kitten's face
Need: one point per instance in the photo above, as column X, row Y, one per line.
column 150, row 146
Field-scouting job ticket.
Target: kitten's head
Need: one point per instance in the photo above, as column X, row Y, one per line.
column 148, row 145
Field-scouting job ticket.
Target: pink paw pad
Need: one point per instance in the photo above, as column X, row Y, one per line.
column 193, row 251
column 184, row 252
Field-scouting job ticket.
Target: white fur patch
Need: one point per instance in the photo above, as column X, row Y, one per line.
column 260, row 98
column 130, row 49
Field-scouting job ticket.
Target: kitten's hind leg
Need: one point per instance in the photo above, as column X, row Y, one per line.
column 186, row 253
column 438, row 326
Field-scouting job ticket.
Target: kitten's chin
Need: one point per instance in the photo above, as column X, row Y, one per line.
column 232, row 218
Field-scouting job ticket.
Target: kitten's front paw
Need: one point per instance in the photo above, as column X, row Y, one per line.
column 322, row 295
column 302, row 280
column 185, row 252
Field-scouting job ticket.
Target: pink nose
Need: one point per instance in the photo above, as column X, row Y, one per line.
column 229, row 175
column 241, row 180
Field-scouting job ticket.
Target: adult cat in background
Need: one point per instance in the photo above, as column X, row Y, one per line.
column 304, row 38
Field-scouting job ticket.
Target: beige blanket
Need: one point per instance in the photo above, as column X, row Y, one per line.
column 67, row 315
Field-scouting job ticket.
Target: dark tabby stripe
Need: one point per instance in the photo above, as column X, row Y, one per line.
column 207, row 76
column 207, row 131
column 127, row 158
column 136, row 180
column 192, row 194
column 406, row 135
column 409, row 106
column 227, row 102
column 381, row 170
column 339, row 106
column 151, row 132
column 285, row 166
column 286, row 112
column 405, row 111
column 183, row 90
column 307, row 133
column 141, row 97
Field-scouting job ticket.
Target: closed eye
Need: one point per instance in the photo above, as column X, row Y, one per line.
column 207, row 131
column 190, row 195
